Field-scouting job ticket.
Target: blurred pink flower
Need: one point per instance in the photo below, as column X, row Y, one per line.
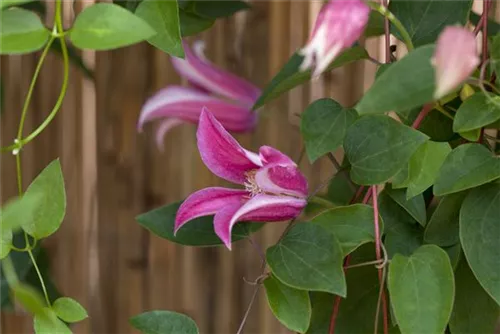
column 230, row 96
column 275, row 189
column 338, row 25
column 455, row 59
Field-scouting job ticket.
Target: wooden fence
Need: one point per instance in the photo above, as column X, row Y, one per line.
column 101, row 256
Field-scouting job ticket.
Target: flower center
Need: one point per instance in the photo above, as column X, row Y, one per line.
column 251, row 185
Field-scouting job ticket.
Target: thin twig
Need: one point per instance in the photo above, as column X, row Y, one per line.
column 381, row 299
column 336, row 302
column 339, row 168
column 418, row 121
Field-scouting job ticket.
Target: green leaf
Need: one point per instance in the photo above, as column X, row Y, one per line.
column 5, row 242
column 69, row 310
column 493, row 26
column 192, row 24
column 403, row 234
column 414, row 206
column 48, row 323
column 421, row 288
column 479, row 235
column 424, row 167
column 198, row 232
column 290, row 75
column 8, row 3
column 29, row 298
column 163, row 16
column 454, row 253
column 467, row 166
column 106, row 26
column 436, row 125
column 401, row 179
column 164, row 322
column 218, row 9
column 323, row 126
column 442, row 229
column 52, row 207
column 341, row 189
column 476, row 112
column 21, row 32
column 406, row 84
column 356, row 312
column 375, row 25
column 308, row 258
column 472, row 135
column 19, row 211
column 474, row 311
column 495, row 61
column 425, row 19
column 378, row 147
column 352, row 225
column 290, row 306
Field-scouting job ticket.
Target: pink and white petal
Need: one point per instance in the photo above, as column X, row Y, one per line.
column 199, row 71
column 269, row 208
column 221, row 153
column 222, row 222
column 282, row 179
column 164, row 127
column 207, row 202
column 270, row 155
column 186, row 104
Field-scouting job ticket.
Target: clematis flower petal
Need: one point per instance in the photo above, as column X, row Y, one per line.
column 270, row 155
column 266, row 208
column 282, row 179
column 338, row 25
column 455, row 59
column 186, row 104
column 199, row 71
column 221, row 153
column 207, row 202
column 164, row 127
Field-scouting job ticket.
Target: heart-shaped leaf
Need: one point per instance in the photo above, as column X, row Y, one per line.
column 406, row 84
column 424, row 167
column 476, row 112
column 163, row 16
column 378, row 147
column 323, row 126
column 423, row 282
column 198, row 232
column 164, row 322
column 467, row 166
column 425, row 19
column 51, row 209
column 442, row 229
column 106, row 26
column 309, row 258
column 479, row 235
column 352, row 225
column 290, row 306
column 474, row 311
column 21, row 32
column 414, row 206
column 69, row 310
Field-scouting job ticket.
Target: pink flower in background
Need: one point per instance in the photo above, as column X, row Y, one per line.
column 230, row 96
column 275, row 189
column 455, row 59
column 339, row 24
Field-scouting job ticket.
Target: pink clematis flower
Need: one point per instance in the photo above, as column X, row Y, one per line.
column 275, row 189
column 455, row 59
column 338, row 25
column 229, row 95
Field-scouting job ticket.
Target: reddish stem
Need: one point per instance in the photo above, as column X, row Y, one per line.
column 378, row 252
column 387, row 36
column 425, row 110
column 357, row 194
column 336, row 303
column 482, row 19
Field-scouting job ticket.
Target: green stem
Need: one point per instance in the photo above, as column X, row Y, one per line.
column 321, row 201
column 32, row 86
column 394, row 20
column 59, row 101
column 42, row 283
